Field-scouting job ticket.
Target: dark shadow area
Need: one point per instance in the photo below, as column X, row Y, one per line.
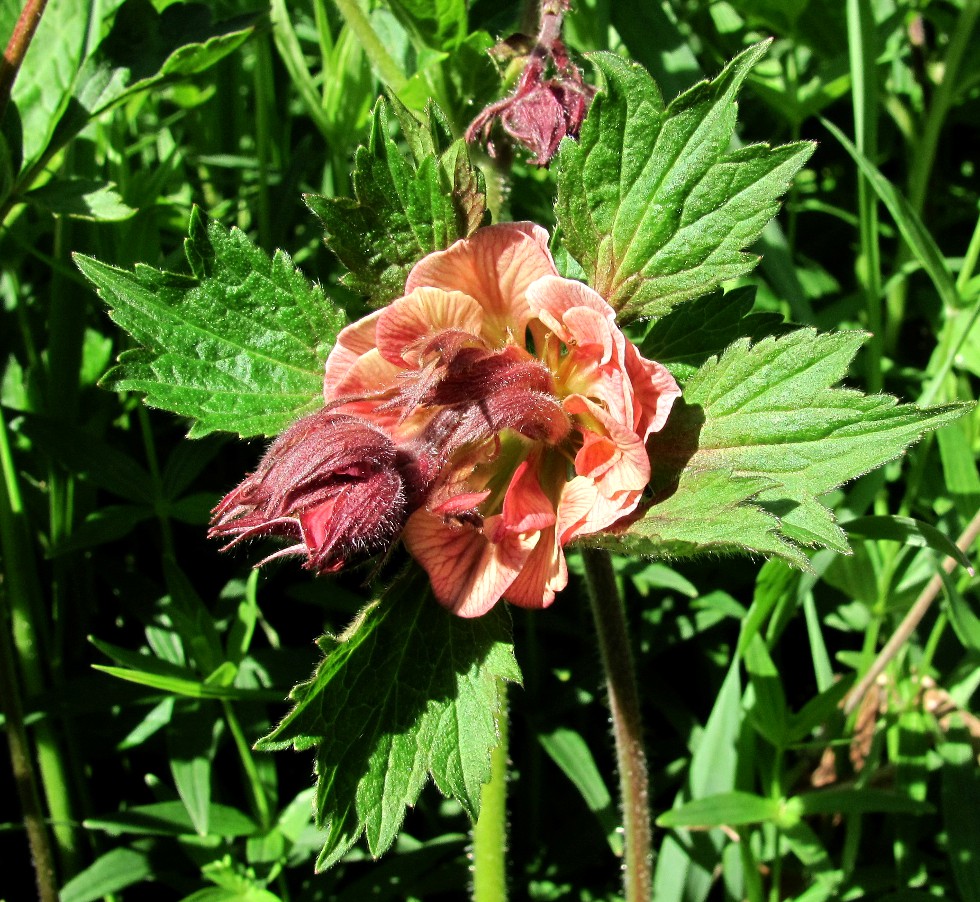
column 673, row 447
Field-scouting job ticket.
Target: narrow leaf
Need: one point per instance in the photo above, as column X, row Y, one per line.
column 441, row 24
column 726, row 809
column 81, row 199
column 407, row 692
column 908, row 531
column 571, row 753
column 108, row 874
column 239, row 346
column 652, row 202
column 960, row 792
column 859, row 801
column 171, row 819
column 147, row 48
column 909, row 224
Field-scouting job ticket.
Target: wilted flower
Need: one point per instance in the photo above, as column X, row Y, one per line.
column 550, row 100
column 522, row 407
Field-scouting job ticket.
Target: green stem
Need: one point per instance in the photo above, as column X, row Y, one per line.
column 924, row 156
column 381, row 61
column 959, row 42
column 23, row 595
column 291, row 54
column 860, row 22
column 260, row 802
column 22, row 765
column 624, row 702
column 490, row 830
column 969, row 260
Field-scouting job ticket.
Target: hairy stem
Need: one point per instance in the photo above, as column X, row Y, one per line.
column 20, row 40
column 624, row 701
column 490, row 830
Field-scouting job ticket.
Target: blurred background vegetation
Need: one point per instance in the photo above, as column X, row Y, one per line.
column 147, row 787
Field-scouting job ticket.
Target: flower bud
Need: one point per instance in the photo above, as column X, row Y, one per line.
column 333, row 482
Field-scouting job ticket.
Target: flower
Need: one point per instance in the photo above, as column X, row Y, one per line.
column 519, row 407
column 539, row 113
column 550, row 100
column 335, row 483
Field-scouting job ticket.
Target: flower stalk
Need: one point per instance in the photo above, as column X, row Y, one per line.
column 490, row 829
column 624, row 703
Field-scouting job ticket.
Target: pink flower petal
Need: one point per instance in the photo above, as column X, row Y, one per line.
column 543, row 575
column 626, row 469
column 551, row 297
column 494, row 266
column 526, row 508
column 469, row 573
column 654, row 391
column 584, row 510
column 406, row 323
column 365, row 382
column 353, row 342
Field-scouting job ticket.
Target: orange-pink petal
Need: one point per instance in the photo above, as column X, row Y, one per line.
column 468, row 572
column 543, row 575
column 655, row 391
column 353, row 342
column 526, row 508
column 407, row 322
column 584, row 510
column 494, row 266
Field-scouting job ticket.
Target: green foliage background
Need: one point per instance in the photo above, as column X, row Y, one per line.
column 152, row 787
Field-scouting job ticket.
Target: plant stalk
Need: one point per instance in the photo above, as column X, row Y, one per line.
column 490, row 829
column 22, row 765
column 20, row 40
column 911, row 620
column 624, row 702
column 381, row 61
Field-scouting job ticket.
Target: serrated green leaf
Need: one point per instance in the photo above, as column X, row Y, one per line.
column 652, row 202
column 407, row 692
column 695, row 331
column 708, row 513
column 403, row 209
column 238, row 347
column 758, row 437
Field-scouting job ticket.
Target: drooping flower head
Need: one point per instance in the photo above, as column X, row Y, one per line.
column 521, row 405
column 550, row 99
column 334, row 483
